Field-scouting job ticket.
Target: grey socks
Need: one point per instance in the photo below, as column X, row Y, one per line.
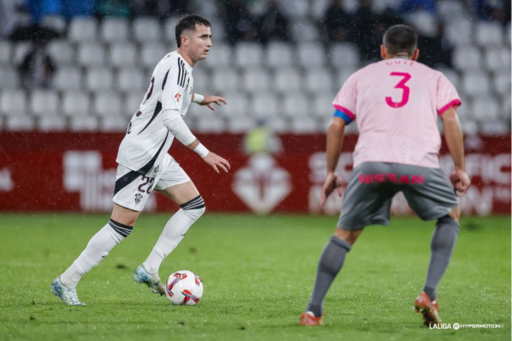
column 441, row 246
column 330, row 264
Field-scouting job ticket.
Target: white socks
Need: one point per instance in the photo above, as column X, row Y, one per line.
column 174, row 232
column 98, row 248
column 113, row 233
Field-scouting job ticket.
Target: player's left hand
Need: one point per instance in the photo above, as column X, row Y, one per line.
column 216, row 162
column 209, row 100
column 332, row 182
column 460, row 181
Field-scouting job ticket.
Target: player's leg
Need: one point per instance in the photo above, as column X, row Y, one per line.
column 128, row 202
column 118, row 228
column 434, row 199
column 176, row 185
column 441, row 246
column 330, row 264
column 364, row 204
column 191, row 208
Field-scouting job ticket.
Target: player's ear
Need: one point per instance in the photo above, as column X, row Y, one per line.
column 415, row 54
column 383, row 52
column 184, row 40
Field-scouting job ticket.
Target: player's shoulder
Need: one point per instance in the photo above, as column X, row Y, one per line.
column 361, row 73
column 170, row 58
column 427, row 69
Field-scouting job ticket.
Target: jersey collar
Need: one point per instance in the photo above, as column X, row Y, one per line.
column 187, row 65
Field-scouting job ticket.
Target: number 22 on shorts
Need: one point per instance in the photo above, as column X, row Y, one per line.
column 405, row 90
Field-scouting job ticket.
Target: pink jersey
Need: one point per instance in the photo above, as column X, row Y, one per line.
column 396, row 103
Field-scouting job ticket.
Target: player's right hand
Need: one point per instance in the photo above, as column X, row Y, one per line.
column 460, row 180
column 217, row 162
column 332, row 182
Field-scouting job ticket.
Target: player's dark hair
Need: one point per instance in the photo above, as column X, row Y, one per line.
column 189, row 22
column 400, row 38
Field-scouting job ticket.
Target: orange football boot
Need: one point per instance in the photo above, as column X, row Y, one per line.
column 428, row 308
column 308, row 319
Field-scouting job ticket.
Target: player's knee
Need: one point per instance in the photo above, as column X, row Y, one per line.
column 349, row 236
column 195, row 213
column 455, row 214
column 448, row 220
column 194, row 208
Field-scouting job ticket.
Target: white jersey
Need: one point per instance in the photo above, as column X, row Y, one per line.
column 147, row 140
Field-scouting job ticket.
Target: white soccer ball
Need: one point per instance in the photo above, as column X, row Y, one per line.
column 184, row 288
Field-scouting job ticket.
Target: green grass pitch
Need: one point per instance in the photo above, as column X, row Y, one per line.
column 258, row 274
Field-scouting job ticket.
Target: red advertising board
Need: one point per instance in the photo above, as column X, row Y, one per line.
column 76, row 172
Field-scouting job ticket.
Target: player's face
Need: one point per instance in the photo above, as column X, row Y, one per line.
column 200, row 42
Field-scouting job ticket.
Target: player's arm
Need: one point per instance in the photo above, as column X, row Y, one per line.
column 345, row 104
column 208, row 100
column 455, row 142
column 178, row 128
column 335, row 135
column 172, row 92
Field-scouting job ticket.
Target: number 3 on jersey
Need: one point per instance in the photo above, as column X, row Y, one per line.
column 405, row 90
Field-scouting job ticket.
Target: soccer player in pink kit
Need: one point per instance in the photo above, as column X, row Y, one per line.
column 397, row 102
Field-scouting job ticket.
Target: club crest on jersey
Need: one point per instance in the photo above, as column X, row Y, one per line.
column 138, row 198
column 177, row 96
column 157, row 169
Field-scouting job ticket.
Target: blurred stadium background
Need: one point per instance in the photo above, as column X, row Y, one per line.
column 73, row 72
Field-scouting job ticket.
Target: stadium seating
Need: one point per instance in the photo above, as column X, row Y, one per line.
column 44, row 103
column 295, row 106
column 82, row 29
column 279, row 55
column 104, row 67
column 68, row 78
column 254, row 80
column 248, row 55
column 13, row 103
column 122, row 54
column 114, row 30
column 75, row 103
column 5, row 53
column 51, row 123
column 20, row 123
column 8, row 78
column 91, row 54
column 83, row 123
column 107, row 105
column 146, row 30
column 62, row 52
column 287, row 80
column 151, row 53
column 99, row 79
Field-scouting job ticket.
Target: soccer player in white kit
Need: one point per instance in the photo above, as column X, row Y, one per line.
column 397, row 102
column 144, row 164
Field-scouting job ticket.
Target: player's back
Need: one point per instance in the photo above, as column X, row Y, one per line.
column 397, row 102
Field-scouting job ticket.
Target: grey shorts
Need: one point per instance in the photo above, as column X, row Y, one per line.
column 372, row 186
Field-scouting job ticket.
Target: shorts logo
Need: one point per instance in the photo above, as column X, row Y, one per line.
column 391, row 177
column 138, row 197
column 177, row 96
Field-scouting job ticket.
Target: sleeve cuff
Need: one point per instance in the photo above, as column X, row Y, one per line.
column 453, row 103
column 344, row 114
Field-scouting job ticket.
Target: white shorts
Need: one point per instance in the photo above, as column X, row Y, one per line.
column 132, row 189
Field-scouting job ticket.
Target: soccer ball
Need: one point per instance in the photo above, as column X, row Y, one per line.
column 184, row 288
